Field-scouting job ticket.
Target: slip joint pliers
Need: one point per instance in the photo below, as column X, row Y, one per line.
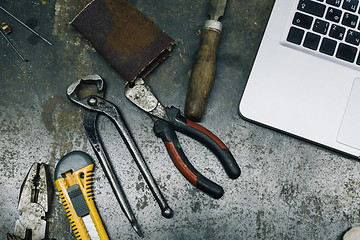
column 33, row 204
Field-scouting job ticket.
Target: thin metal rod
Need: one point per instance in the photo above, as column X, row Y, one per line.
column 13, row 47
column 26, row 26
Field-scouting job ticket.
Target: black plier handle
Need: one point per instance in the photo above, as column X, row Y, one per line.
column 166, row 130
column 169, row 120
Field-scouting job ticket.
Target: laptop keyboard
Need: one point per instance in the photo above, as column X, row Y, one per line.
column 328, row 27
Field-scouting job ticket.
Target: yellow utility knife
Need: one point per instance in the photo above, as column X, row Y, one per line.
column 73, row 181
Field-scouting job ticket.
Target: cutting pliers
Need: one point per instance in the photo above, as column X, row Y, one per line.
column 33, row 204
column 169, row 120
column 82, row 93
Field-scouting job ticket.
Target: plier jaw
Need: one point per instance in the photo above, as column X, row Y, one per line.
column 33, row 203
column 82, row 93
column 96, row 105
column 73, row 91
column 141, row 95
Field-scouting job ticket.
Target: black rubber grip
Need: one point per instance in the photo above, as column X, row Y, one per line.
column 207, row 138
column 78, row 201
column 163, row 130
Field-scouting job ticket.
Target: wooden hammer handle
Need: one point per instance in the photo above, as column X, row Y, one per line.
column 202, row 74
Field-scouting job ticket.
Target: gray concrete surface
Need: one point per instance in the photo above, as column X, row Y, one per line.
column 289, row 189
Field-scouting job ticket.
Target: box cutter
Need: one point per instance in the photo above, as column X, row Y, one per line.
column 167, row 120
column 73, row 175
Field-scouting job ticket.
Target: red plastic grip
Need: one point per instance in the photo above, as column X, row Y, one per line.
column 207, row 132
column 180, row 165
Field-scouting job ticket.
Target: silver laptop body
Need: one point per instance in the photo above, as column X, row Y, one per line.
column 305, row 80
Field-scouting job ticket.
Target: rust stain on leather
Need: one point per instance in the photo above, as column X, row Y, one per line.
column 129, row 41
column 128, row 28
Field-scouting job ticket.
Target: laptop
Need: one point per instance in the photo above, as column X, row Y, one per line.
column 305, row 80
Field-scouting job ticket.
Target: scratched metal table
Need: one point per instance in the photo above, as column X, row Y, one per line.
column 289, row 189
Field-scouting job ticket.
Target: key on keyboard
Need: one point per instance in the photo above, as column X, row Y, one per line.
column 328, row 27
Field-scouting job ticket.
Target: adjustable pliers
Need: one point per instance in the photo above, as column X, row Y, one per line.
column 167, row 120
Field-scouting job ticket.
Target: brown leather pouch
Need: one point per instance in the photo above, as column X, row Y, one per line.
column 129, row 41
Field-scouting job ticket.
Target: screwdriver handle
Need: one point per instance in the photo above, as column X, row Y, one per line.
column 203, row 71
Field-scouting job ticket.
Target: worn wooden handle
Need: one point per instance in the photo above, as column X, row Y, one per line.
column 202, row 75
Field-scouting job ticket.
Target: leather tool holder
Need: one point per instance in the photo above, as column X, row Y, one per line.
column 129, row 41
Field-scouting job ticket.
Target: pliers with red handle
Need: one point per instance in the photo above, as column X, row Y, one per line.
column 169, row 120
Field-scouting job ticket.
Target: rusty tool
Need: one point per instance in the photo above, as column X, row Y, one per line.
column 169, row 120
column 96, row 105
column 203, row 69
column 33, row 204
column 5, row 29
